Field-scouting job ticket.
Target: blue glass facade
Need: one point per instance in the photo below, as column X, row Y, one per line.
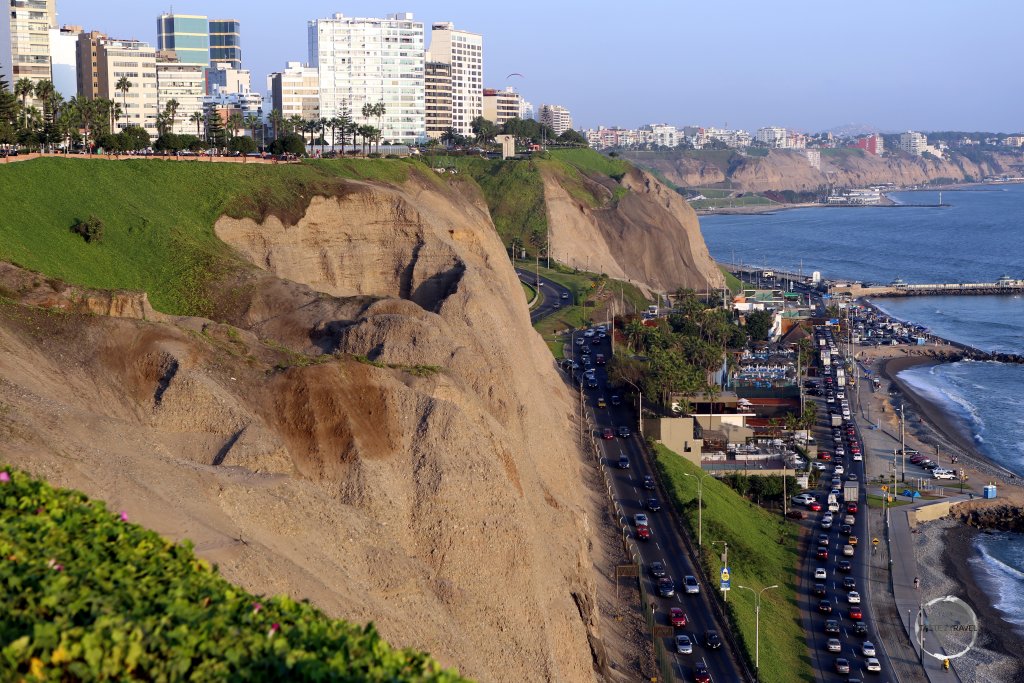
column 187, row 35
column 226, row 42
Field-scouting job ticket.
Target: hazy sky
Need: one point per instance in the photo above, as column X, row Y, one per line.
column 804, row 64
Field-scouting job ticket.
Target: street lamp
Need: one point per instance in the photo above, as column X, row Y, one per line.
column 757, row 626
column 640, row 408
column 700, row 505
column 725, row 564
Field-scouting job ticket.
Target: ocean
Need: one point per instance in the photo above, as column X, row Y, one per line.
column 978, row 238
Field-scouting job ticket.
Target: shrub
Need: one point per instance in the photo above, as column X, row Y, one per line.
column 243, row 144
column 91, row 229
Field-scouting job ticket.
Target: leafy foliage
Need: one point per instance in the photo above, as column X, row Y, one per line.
column 91, row 229
column 759, row 325
column 88, row 596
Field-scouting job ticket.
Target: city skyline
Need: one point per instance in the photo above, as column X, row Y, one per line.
column 796, row 64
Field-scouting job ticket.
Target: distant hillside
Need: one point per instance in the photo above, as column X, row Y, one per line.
column 791, row 170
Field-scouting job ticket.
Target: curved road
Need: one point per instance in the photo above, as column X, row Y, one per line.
column 554, row 295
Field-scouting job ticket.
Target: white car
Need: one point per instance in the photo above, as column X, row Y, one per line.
column 640, row 519
column 834, row 645
column 853, row 598
column 684, row 645
column 857, row 457
column 867, row 649
column 872, row 665
column 820, row 573
column 826, row 522
column 943, row 475
column 840, row 451
column 690, row 584
column 802, row 499
column 848, row 550
column 839, row 469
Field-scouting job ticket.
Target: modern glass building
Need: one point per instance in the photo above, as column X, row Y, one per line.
column 187, row 34
column 225, row 43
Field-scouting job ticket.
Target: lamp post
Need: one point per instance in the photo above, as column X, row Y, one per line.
column 640, row 407
column 757, row 627
column 725, row 563
column 700, row 505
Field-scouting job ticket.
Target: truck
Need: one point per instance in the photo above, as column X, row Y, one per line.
column 836, row 420
column 850, row 491
column 826, row 357
column 833, row 503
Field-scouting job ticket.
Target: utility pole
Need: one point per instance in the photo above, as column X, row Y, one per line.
column 725, row 564
column 903, row 448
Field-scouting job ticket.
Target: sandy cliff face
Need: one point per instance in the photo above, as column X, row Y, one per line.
column 433, row 489
column 650, row 236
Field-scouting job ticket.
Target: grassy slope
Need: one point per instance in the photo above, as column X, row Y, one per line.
column 158, row 217
column 88, row 596
column 762, row 552
column 731, row 281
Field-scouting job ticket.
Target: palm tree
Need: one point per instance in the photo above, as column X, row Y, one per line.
column 171, row 109
column 24, row 89
column 123, row 86
column 322, row 125
column 252, row 122
column 198, row 119
column 450, row 136
column 294, row 123
column 276, row 121
column 235, row 123
column 162, row 123
column 379, row 110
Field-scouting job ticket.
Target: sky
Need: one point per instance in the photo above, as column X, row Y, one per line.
column 807, row 65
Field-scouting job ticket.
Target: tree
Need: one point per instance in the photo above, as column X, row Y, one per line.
column 483, row 129
column 759, row 325
column 243, row 144
column 366, row 133
column 252, row 122
column 215, row 132
column 198, row 119
column 24, row 89
column 289, row 143
column 276, row 123
column 235, row 123
column 379, row 110
column 171, row 112
column 450, row 136
column 571, row 137
column 133, row 138
column 91, row 229
column 293, row 124
column 123, row 86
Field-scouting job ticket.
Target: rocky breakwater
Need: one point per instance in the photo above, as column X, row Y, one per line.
column 370, row 423
column 636, row 229
column 989, row 516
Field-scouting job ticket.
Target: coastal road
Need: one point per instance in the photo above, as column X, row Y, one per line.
column 554, row 295
column 666, row 544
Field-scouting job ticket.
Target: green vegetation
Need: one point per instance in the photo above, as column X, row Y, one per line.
column 713, row 193
column 762, row 552
column 731, row 202
column 876, row 501
column 529, row 291
column 731, row 281
column 88, row 596
column 589, row 161
column 158, row 218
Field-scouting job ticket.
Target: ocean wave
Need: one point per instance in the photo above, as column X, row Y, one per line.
column 998, row 578
column 934, row 385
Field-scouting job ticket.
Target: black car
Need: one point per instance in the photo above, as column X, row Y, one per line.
column 624, row 432
column 666, row 588
column 711, row 640
column 616, row 400
column 844, row 566
column 819, row 589
column 653, row 505
column 845, row 530
column 825, row 607
column 657, row 570
column 649, row 482
column 860, row 629
column 623, row 463
column 849, row 583
column 832, row 626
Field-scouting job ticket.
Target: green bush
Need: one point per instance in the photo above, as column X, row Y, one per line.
column 289, row 144
column 91, row 229
column 243, row 144
column 88, row 596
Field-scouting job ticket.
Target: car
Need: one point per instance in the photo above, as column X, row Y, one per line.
column 818, row 465
column 831, row 626
column 853, row 598
column 666, row 587
column 592, row 383
column 844, row 566
column 657, row 569
column 683, row 644
column 822, row 539
column 833, row 645
column 826, row 521
column 690, row 584
column 858, row 458
column 820, row 573
column 677, row 617
column 814, row 505
column 565, row 295
column 825, row 607
column 653, row 505
column 842, row 665
column 848, row 550
column 851, row 508
column 867, row 648
column 711, row 640
column 802, row 499
column 587, row 360
column 589, row 333
column 852, row 476
column 596, row 341
column 640, row 519
column 616, row 400
column 849, row 583
column 819, row 589
column 643, row 533
column 859, row 629
column 607, row 434
column 557, row 305
column 840, row 451
column 822, row 552
column 648, row 482
column 839, row 469
column 580, row 341
column 852, row 540
column 624, row 432
column 872, row 664
column 623, row 462
column 856, row 614
column 943, row 475
column 601, row 403
column 700, row 674
column 824, row 455
column 845, row 529
column 796, row 514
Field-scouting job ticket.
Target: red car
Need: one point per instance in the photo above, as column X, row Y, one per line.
column 678, row 617
column 607, row 434
column 851, row 507
column 856, row 614
column 822, row 552
column 824, row 455
column 701, row 675
column 643, row 533
column 814, row 505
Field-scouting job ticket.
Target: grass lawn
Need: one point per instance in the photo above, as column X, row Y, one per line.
column 730, row 202
column 762, row 552
column 158, row 217
column 529, row 290
column 731, row 281
column 589, row 161
column 712, row 193
column 879, row 502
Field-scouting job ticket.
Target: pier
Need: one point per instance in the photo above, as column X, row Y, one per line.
column 1002, row 286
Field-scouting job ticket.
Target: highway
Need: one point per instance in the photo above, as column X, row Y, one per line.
column 666, row 544
column 554, row 295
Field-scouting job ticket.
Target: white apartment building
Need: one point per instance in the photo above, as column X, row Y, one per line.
column 502, row 105
column 913, row 142
column 64, row 60
column 136, row 61
column 186, row 84
column 367, row 60
column 555, row 117
column 773, row 136
column 227, row 79
column 662, row 134
column 25, row 40
column 437, row 97
column 526, row 110
column 813, row 158
column 295, row 91
column 465, row 52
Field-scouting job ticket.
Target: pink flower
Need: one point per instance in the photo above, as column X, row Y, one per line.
column 274, row 628
column 256, row 607
column 5, row 477
column 54, row 565
column 124, row 516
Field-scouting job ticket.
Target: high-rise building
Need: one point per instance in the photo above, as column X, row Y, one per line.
column 773, row 136
column 25, row 40
column 188, row 35
column 872, row 144
column 555, row 117
column 368, row 61
column 464, row 51
column 502, row 105
column 526, row 110
column 227, row 79
column 87, row 67
column 185, row 84
column 437, row 97
column 135, row 61
column 225, row 43
column 913, row 143
column 64, row 60
column 295, row 91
